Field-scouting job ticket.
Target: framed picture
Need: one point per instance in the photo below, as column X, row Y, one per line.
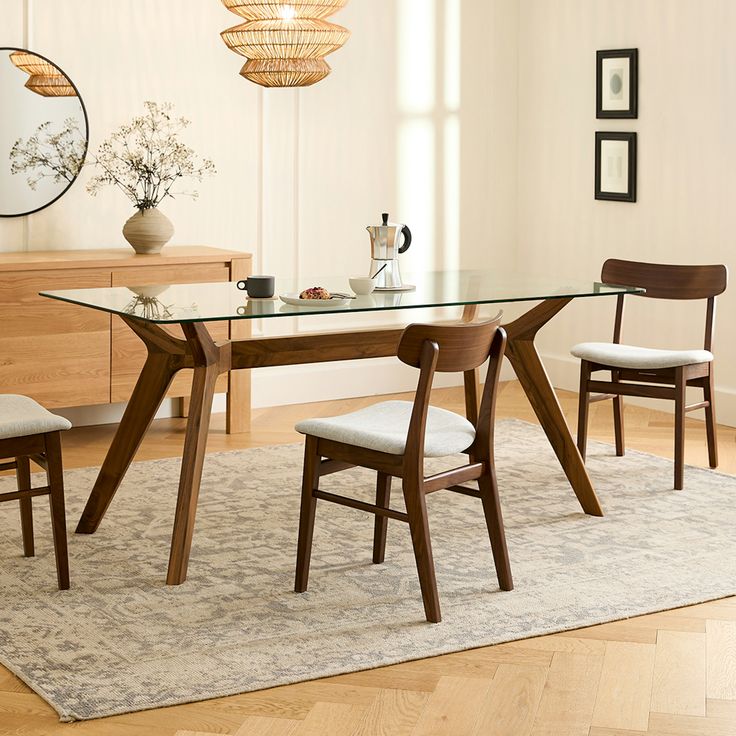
column 615, row 166
column 617, row 83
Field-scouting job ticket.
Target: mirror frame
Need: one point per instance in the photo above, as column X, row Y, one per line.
column 11, row 49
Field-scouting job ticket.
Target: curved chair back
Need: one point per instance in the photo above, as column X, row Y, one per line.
column 458, row 348
column 665, row 281
column 462, row 347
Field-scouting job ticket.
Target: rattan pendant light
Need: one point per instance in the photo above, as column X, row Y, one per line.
column 261, row 9
column 32, row 64
column 56, row 85
column 44, row 78
column 285, row 42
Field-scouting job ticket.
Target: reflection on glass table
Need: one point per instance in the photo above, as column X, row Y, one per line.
column 224, row 301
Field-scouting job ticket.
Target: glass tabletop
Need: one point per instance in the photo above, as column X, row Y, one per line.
column 224, row 301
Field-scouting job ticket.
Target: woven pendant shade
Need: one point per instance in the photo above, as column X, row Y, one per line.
column 54, row 86
column 285, row 72
column 300, row 38
column 264, row 9
column 32, row 64
column 44, row 78
column 285, row 42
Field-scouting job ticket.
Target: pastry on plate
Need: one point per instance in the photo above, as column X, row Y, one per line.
column 316, row 292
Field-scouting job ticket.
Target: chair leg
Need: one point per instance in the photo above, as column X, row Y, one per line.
column 310, row 482
column 23, row 475
column 494, row 521
column 416, row 509
column 55, row 474
column 618, row 425
column 383, row 498
column 680, row 386
column 710, row 420
column 618, row 418
column 583, row 406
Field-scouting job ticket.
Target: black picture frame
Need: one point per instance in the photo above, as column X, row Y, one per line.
column 629, row 194
column 605, row 107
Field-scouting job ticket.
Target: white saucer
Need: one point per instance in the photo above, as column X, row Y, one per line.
column 405, row 287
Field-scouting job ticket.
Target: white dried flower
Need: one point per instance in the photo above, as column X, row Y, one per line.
column 145, row 158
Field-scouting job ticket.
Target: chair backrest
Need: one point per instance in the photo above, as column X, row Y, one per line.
column 458, row 348
column 667, row 281
column 462, row 347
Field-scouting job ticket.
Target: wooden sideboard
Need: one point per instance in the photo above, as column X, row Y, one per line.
column 64, row 356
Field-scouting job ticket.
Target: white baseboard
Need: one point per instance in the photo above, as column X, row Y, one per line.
column 88, row 416
column 326, row 381
column 564, row 372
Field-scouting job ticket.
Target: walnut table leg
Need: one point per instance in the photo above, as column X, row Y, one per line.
column 523, row 355
column 153, row 383
column 210, row 361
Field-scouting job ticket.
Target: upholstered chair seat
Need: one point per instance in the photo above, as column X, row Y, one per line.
column 630, row 356
column 384, row 427
column 21, row 416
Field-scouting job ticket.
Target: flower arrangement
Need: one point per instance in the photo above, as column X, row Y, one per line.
column 48, row 153
column 145, row 159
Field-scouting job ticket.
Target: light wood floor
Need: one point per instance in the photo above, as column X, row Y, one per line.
column 667, row 674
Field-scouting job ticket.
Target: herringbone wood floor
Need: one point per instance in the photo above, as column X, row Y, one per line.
column 667, row 674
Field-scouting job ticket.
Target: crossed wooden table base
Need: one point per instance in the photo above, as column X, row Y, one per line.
column 167, row 355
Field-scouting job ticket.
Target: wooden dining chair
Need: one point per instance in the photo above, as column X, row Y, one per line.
column 30, row 432
column 394, row 437
column 657, row 374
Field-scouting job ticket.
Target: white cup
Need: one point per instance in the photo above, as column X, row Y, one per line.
column 362, row 285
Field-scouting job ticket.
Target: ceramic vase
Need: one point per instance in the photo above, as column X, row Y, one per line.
column 148, row 231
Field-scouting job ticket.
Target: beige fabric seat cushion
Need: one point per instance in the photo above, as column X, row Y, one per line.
column 384, row 426
column 630, row 356
column 22, row 417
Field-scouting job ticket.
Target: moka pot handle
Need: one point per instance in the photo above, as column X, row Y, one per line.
column 407, row 239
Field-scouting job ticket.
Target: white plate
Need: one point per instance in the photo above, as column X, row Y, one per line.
column 295, row 301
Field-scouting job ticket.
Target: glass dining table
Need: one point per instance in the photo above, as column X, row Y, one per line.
column 147, row 311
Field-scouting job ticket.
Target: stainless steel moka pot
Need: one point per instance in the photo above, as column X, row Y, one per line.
column 388, row 242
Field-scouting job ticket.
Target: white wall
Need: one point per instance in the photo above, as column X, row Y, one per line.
column 687, row 156
column 417, row 118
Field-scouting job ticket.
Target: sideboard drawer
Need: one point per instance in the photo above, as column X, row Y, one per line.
column 25, row 313
column 128, row 353
column 56, row 353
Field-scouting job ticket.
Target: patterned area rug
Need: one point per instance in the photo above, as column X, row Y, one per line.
column 122, row 641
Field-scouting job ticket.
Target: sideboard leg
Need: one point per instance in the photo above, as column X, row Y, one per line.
column 183, row 407
column 239, row 382
column 238, row 402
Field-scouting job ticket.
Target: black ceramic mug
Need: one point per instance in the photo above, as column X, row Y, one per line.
column 258, row 287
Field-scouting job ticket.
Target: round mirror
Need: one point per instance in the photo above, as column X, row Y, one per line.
column 44, row 132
